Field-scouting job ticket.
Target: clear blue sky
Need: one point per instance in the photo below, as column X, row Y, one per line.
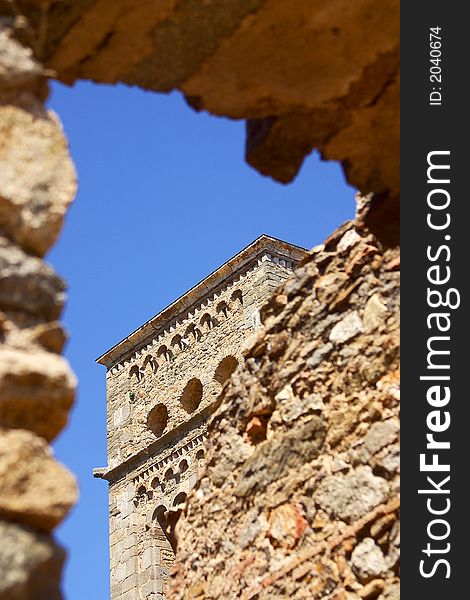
column 165, row 197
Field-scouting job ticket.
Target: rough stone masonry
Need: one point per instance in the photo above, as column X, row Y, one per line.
column 163, row 382
column 299, row 497
column 37, row 387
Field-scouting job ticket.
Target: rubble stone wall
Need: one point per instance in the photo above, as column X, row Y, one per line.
column 308, row 507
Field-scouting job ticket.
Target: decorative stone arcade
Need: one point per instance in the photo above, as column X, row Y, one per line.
column 163, row 382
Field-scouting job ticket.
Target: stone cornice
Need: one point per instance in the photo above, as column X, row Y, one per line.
column 190, row 302
column 164, row 446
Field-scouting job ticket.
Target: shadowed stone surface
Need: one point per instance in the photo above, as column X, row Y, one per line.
column 37, row 183
column 310, row 509
column 316, row 75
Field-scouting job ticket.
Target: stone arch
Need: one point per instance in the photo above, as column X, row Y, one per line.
column 156, row 484
column 167, row 519
column 200, row 454
column 222, row 309
column 169, row 474
column 150, row 361
column 176, row 344
column 225, row 369
column 237, row 298
column 183, row 466
column 206, row 322
column 179, row 499
column 189, row 333
column 159, row 515
column 134, row 371
column 192, row 333
column 157, row 419
column 192, row 395
column 164, row 354
column 142, row 494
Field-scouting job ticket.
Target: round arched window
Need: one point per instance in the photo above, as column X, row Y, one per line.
column 157, row 419
column 192, row 395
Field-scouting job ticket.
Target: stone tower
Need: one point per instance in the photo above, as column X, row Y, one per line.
column 163, row 382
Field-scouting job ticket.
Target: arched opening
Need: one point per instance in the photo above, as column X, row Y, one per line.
column 206, row 322
column 168, row 474
column 192, row 395
column 200, row 454
column 192, row 333
column 189, row 333
column 237, row 298
column 159, row 516
column 156, row 484
column 157, row 419
column 179, row 500
column 134, row 371
column 167, row 520
column 222, row 309
column 142, row 494
column 225, row 369
column 183, row 466
column 176, row 344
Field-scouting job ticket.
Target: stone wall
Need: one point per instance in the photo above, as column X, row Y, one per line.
column 37, row 183
column 307, row 506
column 195, row 346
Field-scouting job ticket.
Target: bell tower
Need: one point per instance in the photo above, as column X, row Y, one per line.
column 163, row 382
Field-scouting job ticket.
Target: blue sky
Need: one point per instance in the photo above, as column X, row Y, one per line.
column 165, row 197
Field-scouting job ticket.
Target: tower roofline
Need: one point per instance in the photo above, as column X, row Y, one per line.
column 199, row 292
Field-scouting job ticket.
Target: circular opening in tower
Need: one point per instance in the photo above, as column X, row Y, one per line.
column 226, row 367
column 192, row 395
column 157, row 419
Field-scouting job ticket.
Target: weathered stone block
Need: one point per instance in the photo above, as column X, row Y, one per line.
column 37, row 390
column 36, row 489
